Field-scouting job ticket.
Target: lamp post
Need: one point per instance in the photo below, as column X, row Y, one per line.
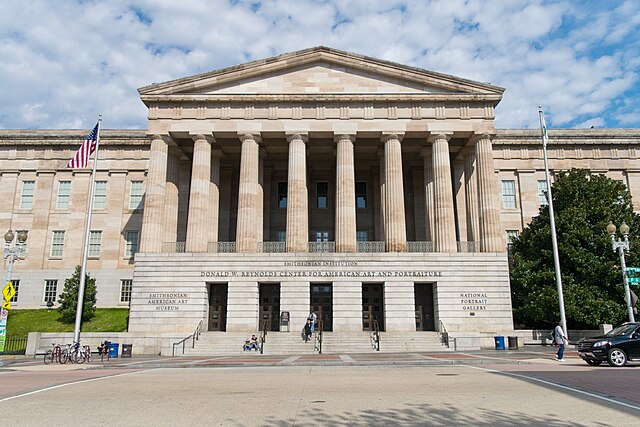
column 622, row 246
column 17, row 252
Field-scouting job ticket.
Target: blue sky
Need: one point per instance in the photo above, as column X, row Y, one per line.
column 63, row 62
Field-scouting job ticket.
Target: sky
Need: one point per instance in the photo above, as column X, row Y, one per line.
column 65, row 61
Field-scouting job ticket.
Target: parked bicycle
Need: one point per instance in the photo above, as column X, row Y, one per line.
column 56, row 354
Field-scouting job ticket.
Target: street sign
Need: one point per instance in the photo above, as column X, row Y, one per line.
column 633, row 275
column 6, row 305
column 9, row 291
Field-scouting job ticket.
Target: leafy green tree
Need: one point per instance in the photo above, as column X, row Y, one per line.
column 69, row 298
column 591, row 276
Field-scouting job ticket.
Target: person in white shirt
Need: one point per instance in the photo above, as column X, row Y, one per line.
column 560, row 338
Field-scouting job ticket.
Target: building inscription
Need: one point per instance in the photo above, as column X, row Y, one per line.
column 473, row 301
column 321, row 273
column 165, row 301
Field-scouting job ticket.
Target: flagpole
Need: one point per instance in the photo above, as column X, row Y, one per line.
column 87, row 234
column 554, row 239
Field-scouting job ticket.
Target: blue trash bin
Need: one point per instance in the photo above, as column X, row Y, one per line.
column 113, row 349
column 499, row 342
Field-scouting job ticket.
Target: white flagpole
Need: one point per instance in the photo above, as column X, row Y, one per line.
column 87, row 233
column 554, row 239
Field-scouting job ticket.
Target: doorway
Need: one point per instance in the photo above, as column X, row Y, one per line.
column 425, row 311
column 322, row 303
column 217, row 307
column 269, row 310
column 372, row 306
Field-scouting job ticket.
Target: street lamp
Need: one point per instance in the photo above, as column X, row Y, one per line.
column 622, row 246
column 17, row 252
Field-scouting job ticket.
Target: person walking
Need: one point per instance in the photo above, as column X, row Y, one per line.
column 314, row 318
column 307, row 330
column 560, row 338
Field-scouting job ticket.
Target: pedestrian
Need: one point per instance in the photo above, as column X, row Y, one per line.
column 559, row 337
column 307, row 330
column 314, row 318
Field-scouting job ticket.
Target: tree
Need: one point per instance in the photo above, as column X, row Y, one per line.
column 591, row 276
column 69, row 298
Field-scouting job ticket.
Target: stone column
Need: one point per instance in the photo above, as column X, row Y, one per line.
column 297, row 200
column 345, row 195
column 429, row 215
column 445, row 226
column 471, row 180
column 171, row 199
column 395, row 230
column 260, row 197
column 152, row 220
column 214, row 197
column 382, row 189
column 197, row 222
column 246, row 230
column 491, row 238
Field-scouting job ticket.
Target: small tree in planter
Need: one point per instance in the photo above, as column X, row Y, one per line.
column 68, row 299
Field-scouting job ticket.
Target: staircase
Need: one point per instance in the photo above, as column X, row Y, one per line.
column 283, row 343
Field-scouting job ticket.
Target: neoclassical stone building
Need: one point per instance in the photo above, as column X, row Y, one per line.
column 321, row 180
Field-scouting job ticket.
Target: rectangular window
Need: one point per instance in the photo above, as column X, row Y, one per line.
column 125, row 290
column 282, row 194
column 322, row 198
column 511, row 235
column 542, row 192
column 50, row 290
column 16, row 286
column 322, row 236
column 281, row 236
column 131, row 247
column 508, row 194
column 361, row 195
column 57, row 244
column 26, row 196
column 64, row 194
column 100, row 195
column 135, row 196
column 95, row 239
column 362, row 236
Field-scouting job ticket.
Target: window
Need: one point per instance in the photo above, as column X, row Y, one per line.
column 511, row 235
column 281, row 236
column 16, row 286
column 125, row 290
column 131, row 247
column 100, row 195
column 57, row 244
column 322, row 236
column 94, row 243
column 64, row 193
column 135, row 196
column 322, row 197
column 50, row 290
column 362, row 236
column 26, row 196
column 282, row 194
column 361, row 195
column 542, row 192
column 508, row 194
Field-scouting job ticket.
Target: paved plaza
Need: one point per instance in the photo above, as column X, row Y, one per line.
column 479, row 388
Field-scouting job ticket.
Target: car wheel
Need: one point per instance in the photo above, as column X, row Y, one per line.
column 593, row 362
column 617, row 357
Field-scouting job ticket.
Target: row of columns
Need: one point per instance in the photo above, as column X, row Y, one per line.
column 202, row 223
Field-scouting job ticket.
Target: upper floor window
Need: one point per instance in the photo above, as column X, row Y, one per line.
column 282, row 194
column 26, row 195
column 50, row 290
column 64, row 194
column 57, row 244
column 508, row 194
column 322, row 236
column 322, row 197
column 361, row 195
column 16, row 286
column 542, row 192
column 100, row 195
column 125, row 290
column 131, row 246
column 95, row 240
column 281, row 236
column 135, row 196
column 362, row 236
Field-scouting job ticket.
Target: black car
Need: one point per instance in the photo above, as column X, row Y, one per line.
column 617, row 346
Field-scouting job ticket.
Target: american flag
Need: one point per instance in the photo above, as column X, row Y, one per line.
column 81, row 158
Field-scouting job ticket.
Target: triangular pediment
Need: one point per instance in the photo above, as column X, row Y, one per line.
column 319, row 71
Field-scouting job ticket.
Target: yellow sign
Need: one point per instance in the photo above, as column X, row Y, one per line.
column 9, row 291
column 6, row 304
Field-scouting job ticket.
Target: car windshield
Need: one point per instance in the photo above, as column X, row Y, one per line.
column 621, row 330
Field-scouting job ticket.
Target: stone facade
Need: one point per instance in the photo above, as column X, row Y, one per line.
column 318, row 180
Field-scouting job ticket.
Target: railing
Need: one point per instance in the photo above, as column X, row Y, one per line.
column 221, row 247
column 375, row 336
column 318, row 328
column 14, row 345
column 370, row 247
column 444, row 335
column 271, row 247
column 467, row 246
column 173, row 247
column 419, row 246
column 194, row 337
column 263, row 337
column 319, row 247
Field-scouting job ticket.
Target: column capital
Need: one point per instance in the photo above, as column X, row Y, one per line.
column 156, row 136
column 199, row 137
column 342, row 136
column 433, row 137
column 391, row 135
column 243, row 136
column 302, row 136
column 480, row 136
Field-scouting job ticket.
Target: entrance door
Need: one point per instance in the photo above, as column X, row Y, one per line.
column 269, row 307
column 425, row 319
column 217, row 307
column 372, row 306
column 322, row 304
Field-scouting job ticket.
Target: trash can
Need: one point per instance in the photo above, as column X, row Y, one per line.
column 499, row 342
column 113, row 349
column 126, row 350
column 513, row 344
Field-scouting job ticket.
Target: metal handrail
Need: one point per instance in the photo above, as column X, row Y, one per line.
column 318, row 329
column 444, row 335
column 263, row 337
column 375, row 335
column 194, row 336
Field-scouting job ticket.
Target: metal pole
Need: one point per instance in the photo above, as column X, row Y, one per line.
column 627, row 291
column 554, row 239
